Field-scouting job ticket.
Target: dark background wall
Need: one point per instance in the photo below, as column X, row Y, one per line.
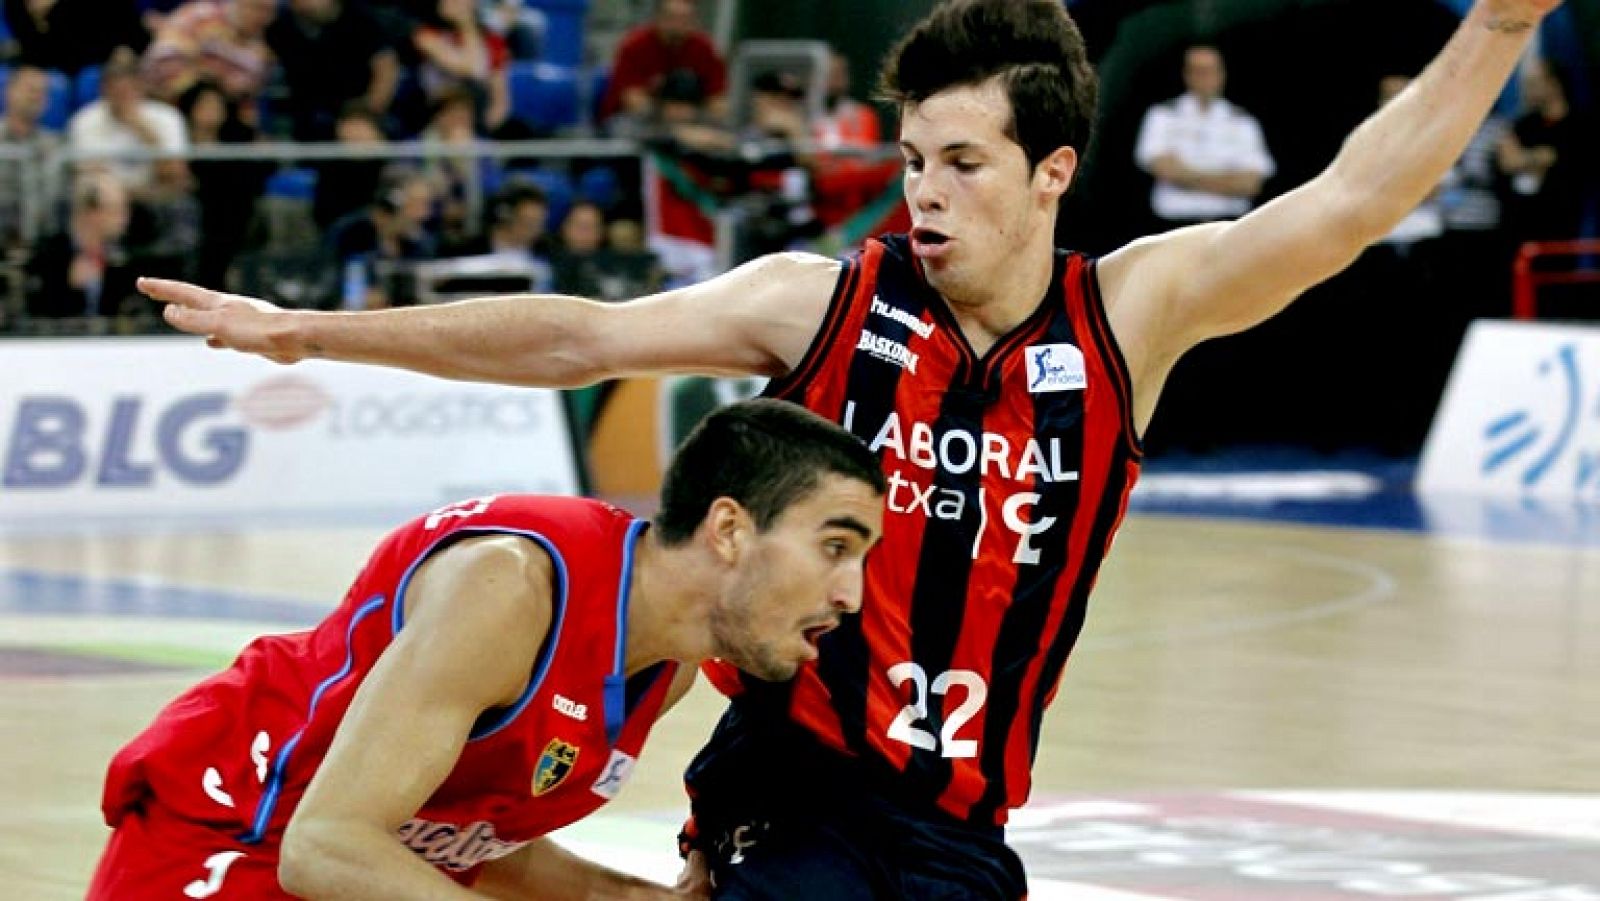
column 1357, row 362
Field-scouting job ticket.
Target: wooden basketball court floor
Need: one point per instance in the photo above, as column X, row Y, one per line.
column 1256, row 710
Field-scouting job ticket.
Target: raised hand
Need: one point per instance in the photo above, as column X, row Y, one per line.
column 227, row 321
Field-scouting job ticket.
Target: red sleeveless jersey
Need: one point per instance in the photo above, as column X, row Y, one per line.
column 1008, row 476
column 237, row 751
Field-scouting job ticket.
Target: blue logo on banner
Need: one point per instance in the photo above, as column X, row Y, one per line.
column 1519, row 438
column 51, row 445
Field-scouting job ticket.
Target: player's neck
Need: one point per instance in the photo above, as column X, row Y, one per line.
column 664, row 619
column 995, row 306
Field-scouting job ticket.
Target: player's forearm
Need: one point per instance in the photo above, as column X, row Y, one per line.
column 1400, row 154
column 356, row 862
column 522, row 339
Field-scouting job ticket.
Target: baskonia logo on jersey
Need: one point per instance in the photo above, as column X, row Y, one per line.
column 888, row 350
column 554, row 765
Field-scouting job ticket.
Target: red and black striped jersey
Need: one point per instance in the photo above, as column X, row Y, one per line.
column 1008, row 476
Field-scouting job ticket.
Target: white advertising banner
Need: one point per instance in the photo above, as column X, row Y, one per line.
column 164, row 425
column 1520, row 416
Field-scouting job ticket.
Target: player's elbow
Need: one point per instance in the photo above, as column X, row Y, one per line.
column 309, row 847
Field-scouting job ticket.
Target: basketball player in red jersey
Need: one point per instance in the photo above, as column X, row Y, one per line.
column 491, row 676
column 1006, row 386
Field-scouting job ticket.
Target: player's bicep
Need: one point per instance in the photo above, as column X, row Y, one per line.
column 1215, row 279
column 475, row 620
column 757, row 319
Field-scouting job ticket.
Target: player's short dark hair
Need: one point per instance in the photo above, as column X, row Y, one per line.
column 765, row 454
column 1032, row 46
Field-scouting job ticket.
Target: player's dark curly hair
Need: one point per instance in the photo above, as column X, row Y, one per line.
column 765, row 454
column 1032, row 46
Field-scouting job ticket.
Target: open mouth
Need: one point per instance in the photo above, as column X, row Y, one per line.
column 814, row 634
column 929, row 244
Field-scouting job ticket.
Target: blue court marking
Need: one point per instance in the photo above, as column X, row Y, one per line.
column 29, row 593
column 1392, row 504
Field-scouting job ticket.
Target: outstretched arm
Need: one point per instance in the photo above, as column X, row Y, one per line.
column 1172, row 291
column 757, row 319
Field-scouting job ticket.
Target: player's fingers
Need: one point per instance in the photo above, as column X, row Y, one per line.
column 195, row 322
column 180, row 293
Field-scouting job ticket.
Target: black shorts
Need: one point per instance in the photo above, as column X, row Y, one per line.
column 780, row 817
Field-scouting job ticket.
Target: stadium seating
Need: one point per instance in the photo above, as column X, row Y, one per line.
column 293, row 183
column 601, row 187
column 545, row 95
column 86, row 89
column 564, row 30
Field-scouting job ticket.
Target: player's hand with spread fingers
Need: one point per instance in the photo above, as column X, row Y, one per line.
column 228, row 321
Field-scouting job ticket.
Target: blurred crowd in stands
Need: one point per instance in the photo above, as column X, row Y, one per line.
column 160, row 137
column 143, row 137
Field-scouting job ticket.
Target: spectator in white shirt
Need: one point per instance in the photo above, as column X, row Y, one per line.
column 1208, row 156
column 124, row 119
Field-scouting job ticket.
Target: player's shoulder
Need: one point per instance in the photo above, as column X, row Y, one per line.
column 779, row 279
column 798, row 263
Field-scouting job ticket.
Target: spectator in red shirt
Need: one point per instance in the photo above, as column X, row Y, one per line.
column 645, row 56
column 842, row 183
column 458, row 52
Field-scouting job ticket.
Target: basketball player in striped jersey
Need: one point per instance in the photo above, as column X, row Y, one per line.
column 1005, row 385
column 491, row 676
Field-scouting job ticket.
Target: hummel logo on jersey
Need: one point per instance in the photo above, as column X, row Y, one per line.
column 568, row 707
column 887, row 350
column 1055, row 367
column 904, row 317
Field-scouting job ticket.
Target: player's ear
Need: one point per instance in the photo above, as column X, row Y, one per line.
column 1055, row 173
column 728, row 526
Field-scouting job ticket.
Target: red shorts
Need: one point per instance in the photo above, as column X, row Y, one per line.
column 156, row 855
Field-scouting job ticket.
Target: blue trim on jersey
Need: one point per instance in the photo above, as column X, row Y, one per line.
column 616, row 685
column 269, row 800
column 547, row 653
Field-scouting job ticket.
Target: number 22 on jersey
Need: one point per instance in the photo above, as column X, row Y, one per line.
column 905, row 726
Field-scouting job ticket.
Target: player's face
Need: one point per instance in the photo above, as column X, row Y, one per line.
column 801, row 574
column 974, row 202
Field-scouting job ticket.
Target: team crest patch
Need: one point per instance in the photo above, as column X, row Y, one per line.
column 554, row 765
column 1055, row 367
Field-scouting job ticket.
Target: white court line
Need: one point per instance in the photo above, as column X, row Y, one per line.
column 1380, row 587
